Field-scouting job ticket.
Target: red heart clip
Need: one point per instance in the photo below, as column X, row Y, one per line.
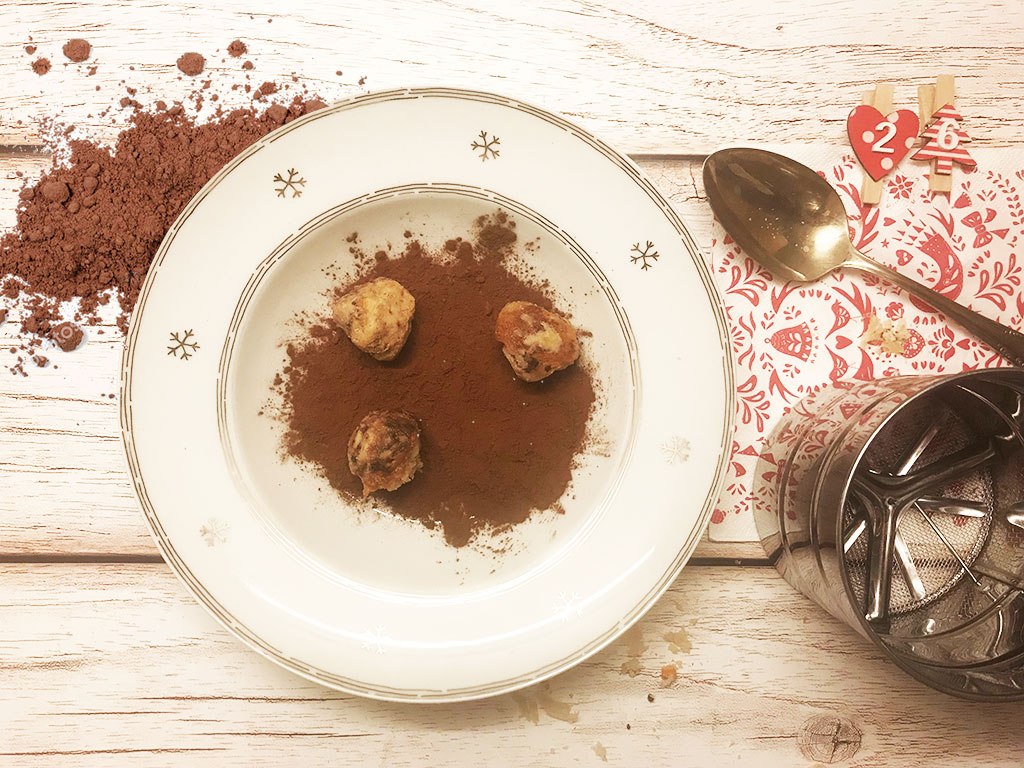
column 881, row 141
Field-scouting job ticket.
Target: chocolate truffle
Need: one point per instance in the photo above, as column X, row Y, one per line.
column 377, row 317
column 384, row 450
column 536, row 342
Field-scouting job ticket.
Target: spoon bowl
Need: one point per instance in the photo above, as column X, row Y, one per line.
column 790, row 220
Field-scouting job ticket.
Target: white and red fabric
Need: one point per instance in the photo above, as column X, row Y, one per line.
column 790, row 339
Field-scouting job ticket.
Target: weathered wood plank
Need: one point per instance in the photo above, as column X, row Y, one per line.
column 658, row 77
column 102, row 661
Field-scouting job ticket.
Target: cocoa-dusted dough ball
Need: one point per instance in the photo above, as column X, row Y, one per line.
column 377, row 317
column 384, row 450
column 536, row 342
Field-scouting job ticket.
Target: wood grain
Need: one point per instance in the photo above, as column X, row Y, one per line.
column 104, row 657
column 107, row 661
column 66, row 487
column 660, row 76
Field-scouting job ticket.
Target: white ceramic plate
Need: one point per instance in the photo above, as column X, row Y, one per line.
column 370, row 603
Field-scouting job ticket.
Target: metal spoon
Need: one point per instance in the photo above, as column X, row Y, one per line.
column 791, row 220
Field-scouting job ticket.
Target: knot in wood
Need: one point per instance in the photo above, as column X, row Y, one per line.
column 828, row 739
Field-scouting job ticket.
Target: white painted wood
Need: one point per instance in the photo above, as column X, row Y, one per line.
column 62, row 473
column 66, row 489
column 107, row 662
column 659, row 76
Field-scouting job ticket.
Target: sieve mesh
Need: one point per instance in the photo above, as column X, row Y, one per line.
column 939, row 569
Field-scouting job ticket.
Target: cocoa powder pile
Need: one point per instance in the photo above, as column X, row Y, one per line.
column 91, row 227
column 77, row 49
column 191, row 63
column 494, row 448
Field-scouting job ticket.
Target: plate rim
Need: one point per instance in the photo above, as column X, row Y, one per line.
column 493, row 688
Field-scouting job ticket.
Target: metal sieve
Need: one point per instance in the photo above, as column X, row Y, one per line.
column 898, row 506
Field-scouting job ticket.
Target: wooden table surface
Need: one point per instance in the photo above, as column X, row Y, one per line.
column 104, row 657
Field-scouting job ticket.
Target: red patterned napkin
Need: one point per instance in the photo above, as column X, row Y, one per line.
column 791, row 339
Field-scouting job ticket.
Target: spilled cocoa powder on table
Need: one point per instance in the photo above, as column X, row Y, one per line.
column 494, row 448
column 77, row 49
column 90, row 228
column 191, row 63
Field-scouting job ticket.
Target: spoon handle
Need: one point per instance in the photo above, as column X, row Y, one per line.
column 1005, row 341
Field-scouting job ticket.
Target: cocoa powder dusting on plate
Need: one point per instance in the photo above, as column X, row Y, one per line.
column 494, row 449
column 41, row 66
column 237, row 48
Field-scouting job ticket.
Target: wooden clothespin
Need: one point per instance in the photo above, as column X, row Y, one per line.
column 880, row 138
column 881, row 99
